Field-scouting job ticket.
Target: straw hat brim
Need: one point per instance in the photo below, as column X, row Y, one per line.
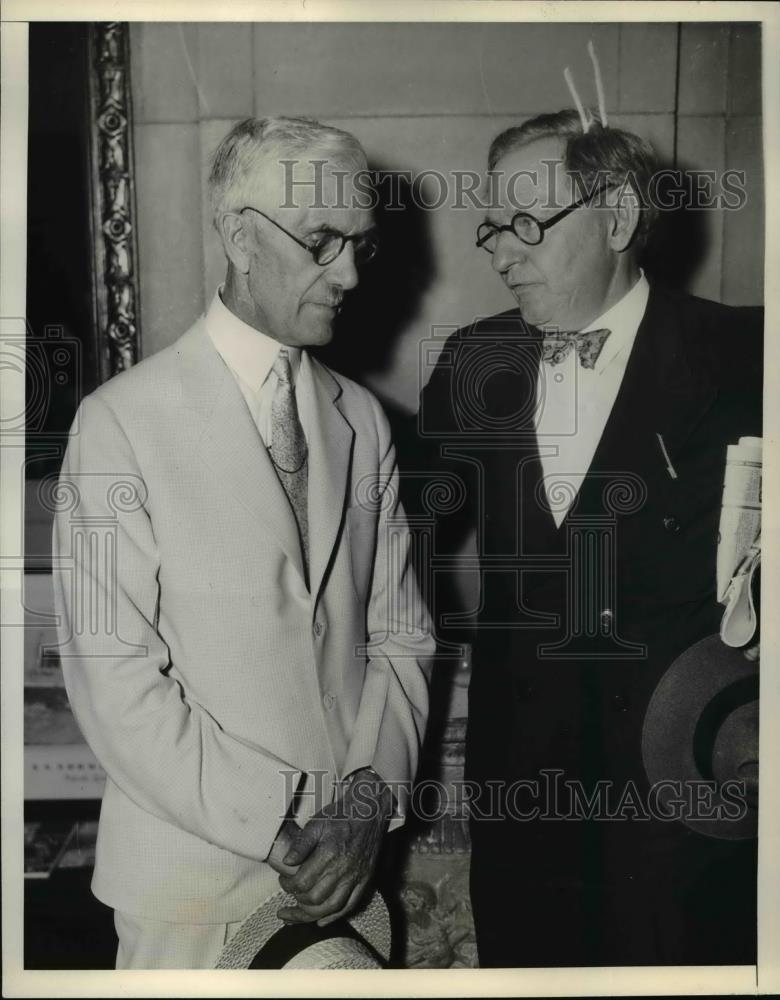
column 366, row 946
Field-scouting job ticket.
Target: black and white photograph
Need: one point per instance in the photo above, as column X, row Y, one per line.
column 385, row 399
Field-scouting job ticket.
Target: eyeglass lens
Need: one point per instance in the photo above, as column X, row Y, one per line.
column 328, row 249
column 525, row 227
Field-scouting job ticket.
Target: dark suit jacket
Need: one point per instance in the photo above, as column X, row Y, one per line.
column 579, row 623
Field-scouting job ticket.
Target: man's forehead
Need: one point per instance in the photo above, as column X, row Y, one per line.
column 307, row 182
column 531, row 178
column 347, row 219
column 532, row 155
column 311, row 193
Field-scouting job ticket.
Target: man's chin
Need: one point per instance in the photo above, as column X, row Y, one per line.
column 535, row 309
column 319, row 325
column 320, row 334
column 529, row 299
column 533, row 314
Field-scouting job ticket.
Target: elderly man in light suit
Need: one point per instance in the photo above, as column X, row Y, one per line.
column 261, row 669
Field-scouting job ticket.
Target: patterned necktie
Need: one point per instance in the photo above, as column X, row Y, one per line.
column 556, row 346
column 288, row 449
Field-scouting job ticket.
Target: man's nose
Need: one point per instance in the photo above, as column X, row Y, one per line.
column 509, row 250
column 343, row 269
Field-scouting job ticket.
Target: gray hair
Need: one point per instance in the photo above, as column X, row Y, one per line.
column 624, row 156
column 255, row 141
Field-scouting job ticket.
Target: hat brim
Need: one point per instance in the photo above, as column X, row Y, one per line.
column 705, row 688
column 371, row 924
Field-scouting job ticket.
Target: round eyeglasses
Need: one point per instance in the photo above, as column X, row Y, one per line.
column 526, row 227
column 327, row 247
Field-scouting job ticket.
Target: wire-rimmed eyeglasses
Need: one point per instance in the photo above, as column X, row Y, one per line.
column 326, row 248
column 526, row 227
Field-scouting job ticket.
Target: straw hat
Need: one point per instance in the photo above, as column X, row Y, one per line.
column 263, row 941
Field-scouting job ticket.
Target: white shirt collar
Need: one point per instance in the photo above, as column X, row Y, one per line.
column 623, row 320
column 247, row 351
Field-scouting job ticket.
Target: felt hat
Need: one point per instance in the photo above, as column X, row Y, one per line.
column 701, row 725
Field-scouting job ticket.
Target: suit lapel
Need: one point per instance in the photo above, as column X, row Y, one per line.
column 540, row 526
column 685, row 382
column 667, row 389
column 230, row 444
column 330, row 451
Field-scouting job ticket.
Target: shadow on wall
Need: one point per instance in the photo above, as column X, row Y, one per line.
column 384, row 304
column 677, row 245
column 390, row 291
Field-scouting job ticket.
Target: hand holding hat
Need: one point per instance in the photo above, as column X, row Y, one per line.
column 330, row 862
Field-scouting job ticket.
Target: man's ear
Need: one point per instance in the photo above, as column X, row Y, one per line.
column 232, row 227
column 625, row 217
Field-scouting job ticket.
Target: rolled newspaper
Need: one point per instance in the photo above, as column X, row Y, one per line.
column 739, row 622
column 740, row 513
column 739, row 539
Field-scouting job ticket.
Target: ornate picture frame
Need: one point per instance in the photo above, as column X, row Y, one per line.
column 116, row 293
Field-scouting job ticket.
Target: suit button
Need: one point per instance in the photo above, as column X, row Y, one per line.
column 672, row 525
column 318, row 629
column 328, row 701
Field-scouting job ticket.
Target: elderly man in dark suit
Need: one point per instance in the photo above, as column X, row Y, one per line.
column 590, row 424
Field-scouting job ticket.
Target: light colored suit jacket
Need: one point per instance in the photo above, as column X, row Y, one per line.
column 208, row 681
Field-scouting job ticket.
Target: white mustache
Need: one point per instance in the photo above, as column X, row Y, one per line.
column 334, row 297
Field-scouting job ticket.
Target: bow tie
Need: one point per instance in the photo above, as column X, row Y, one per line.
column 556, row 346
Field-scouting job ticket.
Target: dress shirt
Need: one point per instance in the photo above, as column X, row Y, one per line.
column 250, row 355
column 574, row 403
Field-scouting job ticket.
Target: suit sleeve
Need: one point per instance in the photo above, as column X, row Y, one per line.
column 393, row 711
column 157, row 744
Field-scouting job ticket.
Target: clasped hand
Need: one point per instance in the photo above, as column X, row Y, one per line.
column 328, row 864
